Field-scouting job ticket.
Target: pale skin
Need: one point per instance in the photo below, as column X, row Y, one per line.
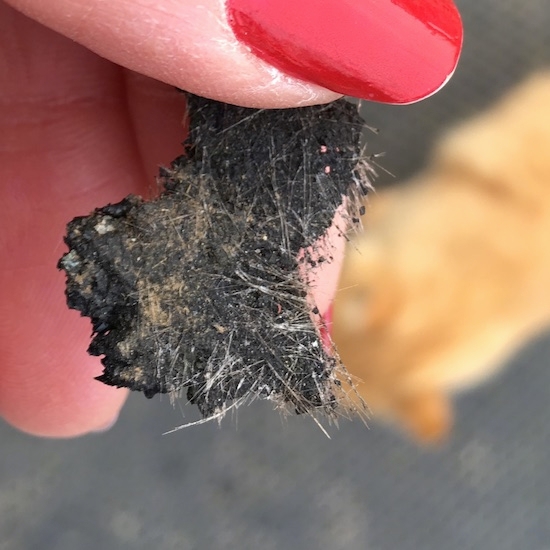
column 79, row 130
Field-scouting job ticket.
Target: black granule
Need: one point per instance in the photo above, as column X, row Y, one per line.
column 198, row 291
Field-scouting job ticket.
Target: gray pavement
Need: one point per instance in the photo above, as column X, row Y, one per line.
column 262, row 482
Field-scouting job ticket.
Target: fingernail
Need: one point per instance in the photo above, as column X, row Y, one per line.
column 391, row 51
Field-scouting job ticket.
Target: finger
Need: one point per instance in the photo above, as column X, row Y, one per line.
column 181, row 42
column 67, row 147
column 279, row 53
column 157, row 114
column 322, row 280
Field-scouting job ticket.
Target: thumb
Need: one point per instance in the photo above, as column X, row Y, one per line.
column 276, row 53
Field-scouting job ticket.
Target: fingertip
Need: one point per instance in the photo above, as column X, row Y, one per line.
column 181, row 42
column 41, row 420
column 56, row 395
column 322, row 277
column 271, row 54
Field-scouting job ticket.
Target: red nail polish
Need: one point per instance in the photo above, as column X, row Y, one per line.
column 392, row 51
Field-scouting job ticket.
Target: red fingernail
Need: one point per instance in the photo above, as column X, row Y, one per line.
column 392, row 51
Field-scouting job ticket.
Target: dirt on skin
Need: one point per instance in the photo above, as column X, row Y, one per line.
column 198, row 291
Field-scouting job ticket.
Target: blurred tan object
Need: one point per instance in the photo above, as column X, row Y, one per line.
column 452, row 273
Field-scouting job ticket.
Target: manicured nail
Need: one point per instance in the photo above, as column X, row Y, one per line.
column 391, row 51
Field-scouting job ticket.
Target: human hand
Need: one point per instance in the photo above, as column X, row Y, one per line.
column 80, row 131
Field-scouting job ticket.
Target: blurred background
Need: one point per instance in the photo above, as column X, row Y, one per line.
column 260, row 481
